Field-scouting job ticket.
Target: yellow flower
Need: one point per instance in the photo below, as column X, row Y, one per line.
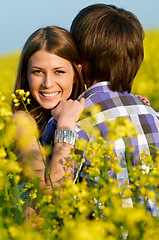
column 13, row 166
column 28, row 100
column 2, row 180
column 13, row 96
column 14, row 231
column 10, row 176
column 9, row 134
column 151, row 194
column 29, row 185
column 15, row 100
column 81, row 144
column 2, row 125
column 17, row 179
column 5, row 111
column 20, row 96
column 27, row 94
column 24, row 98
column 16, row 104
column 2, row 98
column 33, row 194
column 3, row 153
column 20, row 92
column 47, row 199
column 21, row 203
column 121, row 127
column 67, row 174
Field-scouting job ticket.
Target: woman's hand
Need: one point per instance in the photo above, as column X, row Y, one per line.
column 143, row 98
column 67, row 113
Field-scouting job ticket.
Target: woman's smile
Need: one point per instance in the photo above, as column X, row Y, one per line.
column 49, row 95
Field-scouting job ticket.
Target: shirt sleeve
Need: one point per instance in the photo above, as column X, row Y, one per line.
column 47, row 137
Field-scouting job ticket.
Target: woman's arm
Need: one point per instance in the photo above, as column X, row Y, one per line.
column 66, row 113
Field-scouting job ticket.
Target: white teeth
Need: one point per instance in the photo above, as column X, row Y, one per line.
column 50, row 94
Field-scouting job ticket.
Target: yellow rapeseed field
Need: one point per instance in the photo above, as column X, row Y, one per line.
column 8, row 69
column 147, row 79
column 100, row 210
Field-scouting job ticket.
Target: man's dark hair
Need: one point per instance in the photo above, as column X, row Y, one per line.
column 110, row 44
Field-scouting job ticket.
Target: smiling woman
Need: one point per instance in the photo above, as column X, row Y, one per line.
column 50, row 78
column 50, row 70
column 49, row 63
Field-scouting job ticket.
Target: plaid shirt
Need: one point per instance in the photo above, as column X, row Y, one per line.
column 114, row 105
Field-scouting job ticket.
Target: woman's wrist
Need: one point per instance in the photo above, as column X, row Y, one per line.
column 65, row 136
column 68, row 123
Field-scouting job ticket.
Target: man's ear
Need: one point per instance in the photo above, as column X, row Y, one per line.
column 80, row 69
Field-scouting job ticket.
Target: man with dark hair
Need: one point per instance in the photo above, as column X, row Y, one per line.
column 110, row 43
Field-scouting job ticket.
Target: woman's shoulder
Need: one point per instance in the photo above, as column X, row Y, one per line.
column 24, row 120
column 23, row 115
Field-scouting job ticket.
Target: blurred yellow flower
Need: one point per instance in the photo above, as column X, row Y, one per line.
column 3, row 153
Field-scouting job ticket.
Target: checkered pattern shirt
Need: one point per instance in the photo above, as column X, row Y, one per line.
column 114, row 105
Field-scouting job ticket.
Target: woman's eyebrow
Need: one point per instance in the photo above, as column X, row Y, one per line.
column 59, row 67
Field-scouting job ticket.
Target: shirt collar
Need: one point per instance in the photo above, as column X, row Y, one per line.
column 97, row 87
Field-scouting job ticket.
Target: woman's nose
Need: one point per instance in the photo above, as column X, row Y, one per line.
column 48, row 81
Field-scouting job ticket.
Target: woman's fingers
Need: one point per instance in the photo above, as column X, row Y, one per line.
column 82, row 101
column 143, row 98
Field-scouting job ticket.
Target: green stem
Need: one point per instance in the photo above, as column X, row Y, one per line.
column 16, row 191
column 29, row 210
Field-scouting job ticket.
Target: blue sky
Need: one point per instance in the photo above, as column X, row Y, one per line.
column 19, row 18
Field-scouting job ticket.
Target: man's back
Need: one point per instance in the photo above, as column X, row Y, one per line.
column 145, row 119
column 114, row 105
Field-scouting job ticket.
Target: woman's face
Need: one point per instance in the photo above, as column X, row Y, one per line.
column 50, row 78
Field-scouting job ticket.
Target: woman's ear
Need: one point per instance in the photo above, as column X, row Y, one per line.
column 80, row 67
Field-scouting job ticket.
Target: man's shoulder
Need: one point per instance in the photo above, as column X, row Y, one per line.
column 119, row 101
column 114, row 105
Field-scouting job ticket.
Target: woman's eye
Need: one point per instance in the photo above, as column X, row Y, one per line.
column 60, row 72
column 37, row 72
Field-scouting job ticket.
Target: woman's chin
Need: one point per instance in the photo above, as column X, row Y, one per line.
column 49, row 107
